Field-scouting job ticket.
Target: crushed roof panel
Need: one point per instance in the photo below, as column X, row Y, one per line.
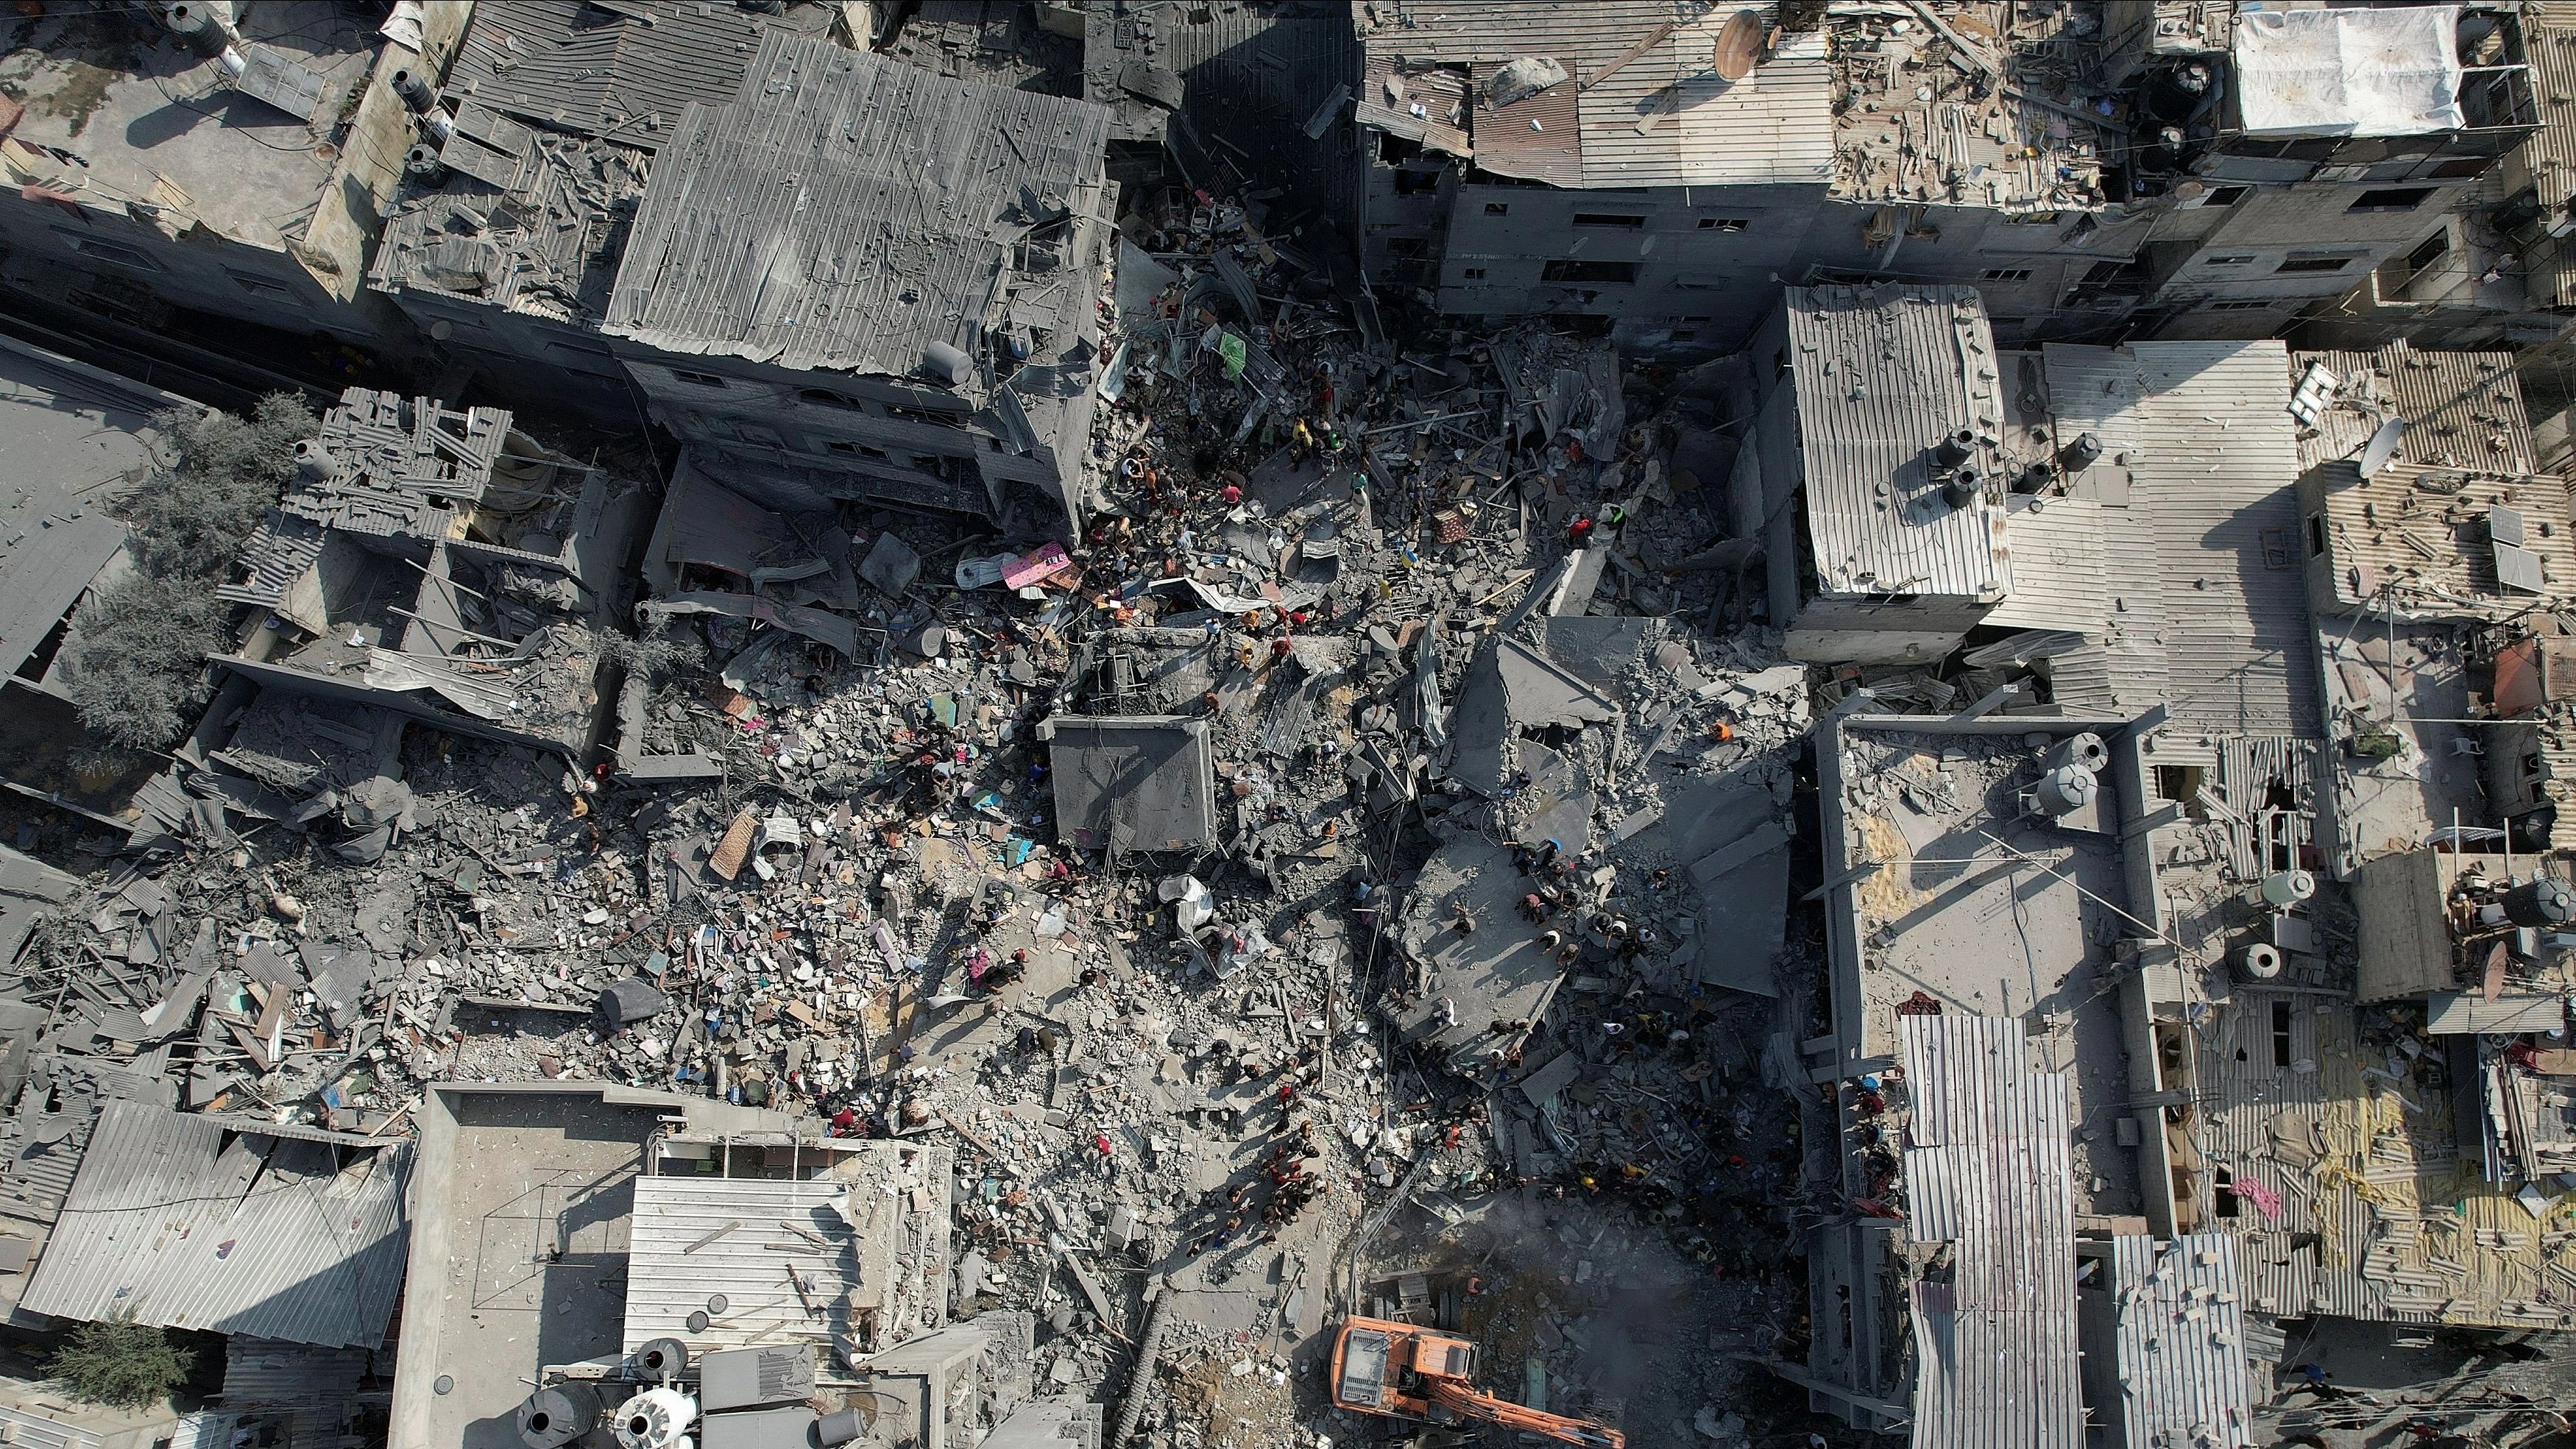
column 41, row 1142
column 187, row 1222
column 527, row 221
column 2181, row 1342
column 843, row 211
column 597, row 70
column 1882, row 375
column 1626, row 115
column 1132, row 783
column 1919, row 121
column 2381, row 1218
column 384, row 465
column 1990, row 1171
column 70, row 438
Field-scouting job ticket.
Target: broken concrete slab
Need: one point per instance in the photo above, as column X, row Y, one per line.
column 1484, row 988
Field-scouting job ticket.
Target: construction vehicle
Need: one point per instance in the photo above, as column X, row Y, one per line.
column 1404, row 1371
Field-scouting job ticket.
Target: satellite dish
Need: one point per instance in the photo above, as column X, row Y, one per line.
column 1738, row 44
column 2382, row 446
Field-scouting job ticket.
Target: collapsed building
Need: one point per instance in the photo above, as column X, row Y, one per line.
column 71, row 436
column 423, row 563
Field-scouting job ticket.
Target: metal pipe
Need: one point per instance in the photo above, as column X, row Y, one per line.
column 1149, row 1347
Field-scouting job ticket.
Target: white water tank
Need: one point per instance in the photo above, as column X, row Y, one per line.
column 658, row 1418
column 2283, row 889
column 2259, row 962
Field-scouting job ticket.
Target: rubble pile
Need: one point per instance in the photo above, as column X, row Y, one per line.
column 1354, row 849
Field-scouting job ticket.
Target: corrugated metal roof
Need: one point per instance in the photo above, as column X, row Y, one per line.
column 32, row 1428
column 2209, row 596
column 2181, row 1342
column 2060, row 569
column 2463, row 410
column 2462, row 1013
column 1253, row 78
column 44, row 1139
column 1666, row 119
column 1989, row 1169
column 2548, row 155
column 2404, row 1229
column 263, row 1373
column 2546, row 159
column 2417, row 531
column 314, row 1390
column 1882, row 375
column 544, row 241
column 843, row 211
column 2250, row 772
column 2425, row 538
column 1662, row 117
column 681, row 1251
column 591, row 69
column 185, row 1224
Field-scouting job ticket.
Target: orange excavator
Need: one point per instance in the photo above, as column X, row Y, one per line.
column 1404, row 1371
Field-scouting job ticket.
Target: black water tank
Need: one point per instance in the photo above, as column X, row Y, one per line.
column 2542, row 904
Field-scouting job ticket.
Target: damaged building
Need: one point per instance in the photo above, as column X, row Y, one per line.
column 2162, row 169
column 179, row 169
column 922, row 337
column 1917, row 489
column 1245, row 726
column 71, row 437
column 632, row 1238
column 435, row 562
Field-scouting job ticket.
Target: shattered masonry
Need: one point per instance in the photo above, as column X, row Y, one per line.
column 1231, row 725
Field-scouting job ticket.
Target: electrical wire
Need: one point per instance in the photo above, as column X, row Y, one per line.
column 246, row 133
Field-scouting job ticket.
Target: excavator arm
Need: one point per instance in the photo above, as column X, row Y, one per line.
column 1457, row 1398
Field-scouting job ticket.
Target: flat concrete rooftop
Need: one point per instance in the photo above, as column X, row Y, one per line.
column 1990, row 911
column 150, row 121
column 520, row 1260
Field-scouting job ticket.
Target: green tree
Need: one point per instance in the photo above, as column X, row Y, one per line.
column 121, row 1363
column 136, row 672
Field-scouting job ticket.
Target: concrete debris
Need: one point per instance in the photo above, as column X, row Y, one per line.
column 1151, row 776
